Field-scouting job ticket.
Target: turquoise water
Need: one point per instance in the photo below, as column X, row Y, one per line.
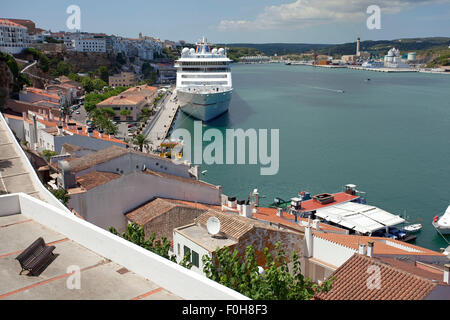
column 390, row 136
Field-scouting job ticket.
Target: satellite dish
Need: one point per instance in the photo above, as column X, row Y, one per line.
column 213, row 226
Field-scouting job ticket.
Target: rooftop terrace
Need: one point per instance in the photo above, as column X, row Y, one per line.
column 100, row 278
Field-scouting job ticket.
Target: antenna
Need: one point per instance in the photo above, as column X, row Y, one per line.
column 213, row 226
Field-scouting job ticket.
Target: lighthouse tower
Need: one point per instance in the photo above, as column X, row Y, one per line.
column 358, row 43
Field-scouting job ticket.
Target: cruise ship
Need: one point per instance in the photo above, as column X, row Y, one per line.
column 204, row 86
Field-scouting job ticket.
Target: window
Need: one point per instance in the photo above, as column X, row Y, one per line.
column 195, row 260
column 179, row 250
column 186, row 250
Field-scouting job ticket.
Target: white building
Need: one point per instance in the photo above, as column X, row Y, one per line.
column 89, row 45
column 393, row 59
column 13, row 37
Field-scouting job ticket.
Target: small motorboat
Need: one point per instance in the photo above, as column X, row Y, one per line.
column 413, row 228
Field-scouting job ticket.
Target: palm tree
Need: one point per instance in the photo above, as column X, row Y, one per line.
column 141, row 141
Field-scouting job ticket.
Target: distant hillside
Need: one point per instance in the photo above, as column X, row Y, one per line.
column 279, row 48
column 419, row 45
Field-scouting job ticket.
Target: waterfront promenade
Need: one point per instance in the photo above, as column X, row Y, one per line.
column 162, row 122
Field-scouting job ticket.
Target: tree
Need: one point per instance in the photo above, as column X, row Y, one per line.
column 141, row 141
column 103, row 73
column 61, row 195
column 87, row 84
column 277, row 282
column 48, row 154
column 125, row 112
column 136, row 234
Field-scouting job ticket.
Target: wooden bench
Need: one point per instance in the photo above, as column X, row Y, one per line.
column 35, row 257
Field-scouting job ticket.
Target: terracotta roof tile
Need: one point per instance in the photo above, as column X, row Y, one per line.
column 95, row 179
column 352, row 279
column 232, row 225
column 382, row 246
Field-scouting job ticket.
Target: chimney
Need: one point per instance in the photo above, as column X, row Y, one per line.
column 50, row 114
column 231, row 202
column 100, row 133
column 308, row 241
column 90, row 132
column 362, row 249
column 446, row 273
column 316, row 224
column 111, row 136
column 240, row 204
column 246, row 210
column 280, row 212
column 80, row 130
column 370, row 249
column 60, row 130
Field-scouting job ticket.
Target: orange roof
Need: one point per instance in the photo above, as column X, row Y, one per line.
column 382, row 246
column 9, row 23
column 340, row 197
column 352, row 280
column 122, row 100
column 49, row 123
column 42, row 92
column 270, row 215
column 96, row 178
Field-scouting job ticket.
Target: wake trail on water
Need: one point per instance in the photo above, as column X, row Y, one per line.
column 327, row 89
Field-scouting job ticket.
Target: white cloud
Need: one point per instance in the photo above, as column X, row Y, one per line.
column 304, row 13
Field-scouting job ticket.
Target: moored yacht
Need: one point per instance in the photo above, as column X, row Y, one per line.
column 204, row 86
column 442, row 224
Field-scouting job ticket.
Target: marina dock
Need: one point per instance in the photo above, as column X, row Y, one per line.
column 162, row 122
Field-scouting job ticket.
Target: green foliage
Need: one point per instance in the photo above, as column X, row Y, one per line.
column 442, row 60
column 61, row 195
column 276, row 283
column 235, row 53
column 101, row 119
column 141, row 141
column 49, row 153
column 62, row 69
column 103, row 73
column 52, row 40
column 121, row 59
column 136, row 235
column 44, row 61
column 125, row 112
column 19, row 79
column 92, row 99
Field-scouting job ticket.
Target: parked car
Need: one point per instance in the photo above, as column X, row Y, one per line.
column 132, row 125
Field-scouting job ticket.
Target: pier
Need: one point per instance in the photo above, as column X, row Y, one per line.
column 159, row 128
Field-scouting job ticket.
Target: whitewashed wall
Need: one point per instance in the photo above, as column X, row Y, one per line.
column 330, row 252
column 106, row 204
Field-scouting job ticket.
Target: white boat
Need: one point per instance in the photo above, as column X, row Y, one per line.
column 442, row 223
column 413, row 228
column 204, row 86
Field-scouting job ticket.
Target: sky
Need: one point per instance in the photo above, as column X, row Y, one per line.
column 243, row 21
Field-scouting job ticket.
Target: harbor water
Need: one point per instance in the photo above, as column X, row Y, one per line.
column 389, row 135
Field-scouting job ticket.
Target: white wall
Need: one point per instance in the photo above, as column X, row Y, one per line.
column 179, row 239
column 166, row 274
column 128, row 162
column 43, row 192
column 330, row 252
column 106, row 204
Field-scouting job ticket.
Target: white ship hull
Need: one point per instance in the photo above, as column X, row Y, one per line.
column 204, row 106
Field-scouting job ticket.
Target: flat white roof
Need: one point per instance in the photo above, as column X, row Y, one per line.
column 359, row 217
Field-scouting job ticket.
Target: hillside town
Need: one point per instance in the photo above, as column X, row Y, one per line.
column 84, row 143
